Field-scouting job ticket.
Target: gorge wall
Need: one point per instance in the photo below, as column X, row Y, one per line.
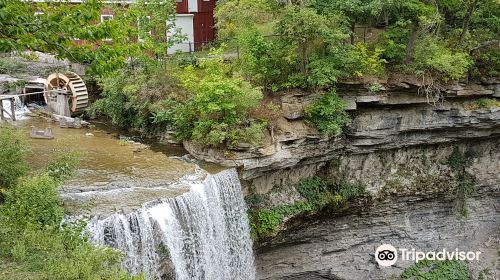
column 397, row 147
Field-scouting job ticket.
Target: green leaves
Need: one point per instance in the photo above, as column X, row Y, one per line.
column 328, row 114
column 104, row 46
column 13, row 157
column 436, row 270
column 218, row 111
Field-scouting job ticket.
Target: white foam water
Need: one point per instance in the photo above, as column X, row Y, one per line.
column 202, row 234
column 20, row 109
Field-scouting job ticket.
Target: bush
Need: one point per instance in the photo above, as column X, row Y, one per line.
column 138, row 97
column 393, row 41
column 10, row 66
column 218, row 112
column 63, row 167
column 436, row 270
column 33, row 241
column 13, row 157
column 266, row 62
column 34, row 201
column 433, row 56
column 328, row 114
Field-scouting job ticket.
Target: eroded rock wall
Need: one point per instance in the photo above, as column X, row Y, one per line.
column 397, row 117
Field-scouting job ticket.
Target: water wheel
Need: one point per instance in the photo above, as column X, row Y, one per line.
column 75, row 87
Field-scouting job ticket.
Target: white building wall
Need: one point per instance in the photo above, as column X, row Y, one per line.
column 184, row 22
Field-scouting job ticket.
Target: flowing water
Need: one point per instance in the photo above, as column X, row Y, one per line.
column 203, row 234
column 20, row 109
column 171, row 219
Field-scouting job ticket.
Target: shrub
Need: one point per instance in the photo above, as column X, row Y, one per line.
column 435, row 270
column 433, row 56
column 218, row 112
column 138, row 97
column 317, row 195
column 34, row 201
column 34, row 242
column 12, row 154
column 266, row 62
column 328, row 114
column 393, row 41
column 483, row 103
column 63, row 167
column 9, row 66
column 370, row 61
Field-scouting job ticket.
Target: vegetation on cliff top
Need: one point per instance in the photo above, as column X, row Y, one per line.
column 213, row 99
column 33, row 244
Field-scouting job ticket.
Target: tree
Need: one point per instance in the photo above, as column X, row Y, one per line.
column 106, row 46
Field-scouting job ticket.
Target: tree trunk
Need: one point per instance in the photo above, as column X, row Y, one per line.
column 411, row 42
column 468, row 16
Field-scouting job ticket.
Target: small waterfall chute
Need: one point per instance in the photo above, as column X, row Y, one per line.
column 20, row 109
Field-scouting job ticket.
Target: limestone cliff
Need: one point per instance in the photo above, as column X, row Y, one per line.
column 397, row 147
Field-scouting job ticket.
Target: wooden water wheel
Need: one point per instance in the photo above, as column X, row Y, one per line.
column 73, row 85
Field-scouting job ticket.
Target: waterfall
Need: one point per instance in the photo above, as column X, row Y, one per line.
column 20, row 109
column 202, row 234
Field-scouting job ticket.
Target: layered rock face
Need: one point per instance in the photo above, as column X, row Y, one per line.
column 395, row 117
column 398, row 147
column 343, row 247
column 413, row 207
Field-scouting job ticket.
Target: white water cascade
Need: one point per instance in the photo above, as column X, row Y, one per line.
column 202, row 234
column 20, row 110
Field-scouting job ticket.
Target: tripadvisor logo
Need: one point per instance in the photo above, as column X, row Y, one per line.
column 387, row 255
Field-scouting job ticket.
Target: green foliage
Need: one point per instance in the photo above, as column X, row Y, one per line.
column 13, row 157
column 63, row 167
column 233, row 17
column 218, row 112
column 9, row 66
column 483, row 103
column 488, row 63
column 393, row 41
column 370, row 61
column 265, row 62
column 33, row 241
column 458, row 161
column 432, row 55
column 34, row 201
column 436, row 270
column 308, row 47
column 317, row 195
column 54, row 31
column 142, row 98
column 264, row 222
column 328, row 114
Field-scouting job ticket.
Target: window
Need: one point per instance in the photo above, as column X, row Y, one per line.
column 106, row 17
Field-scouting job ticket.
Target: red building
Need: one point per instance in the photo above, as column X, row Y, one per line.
column 195, row 18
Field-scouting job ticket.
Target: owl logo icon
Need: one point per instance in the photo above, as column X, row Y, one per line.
column 386, row 255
